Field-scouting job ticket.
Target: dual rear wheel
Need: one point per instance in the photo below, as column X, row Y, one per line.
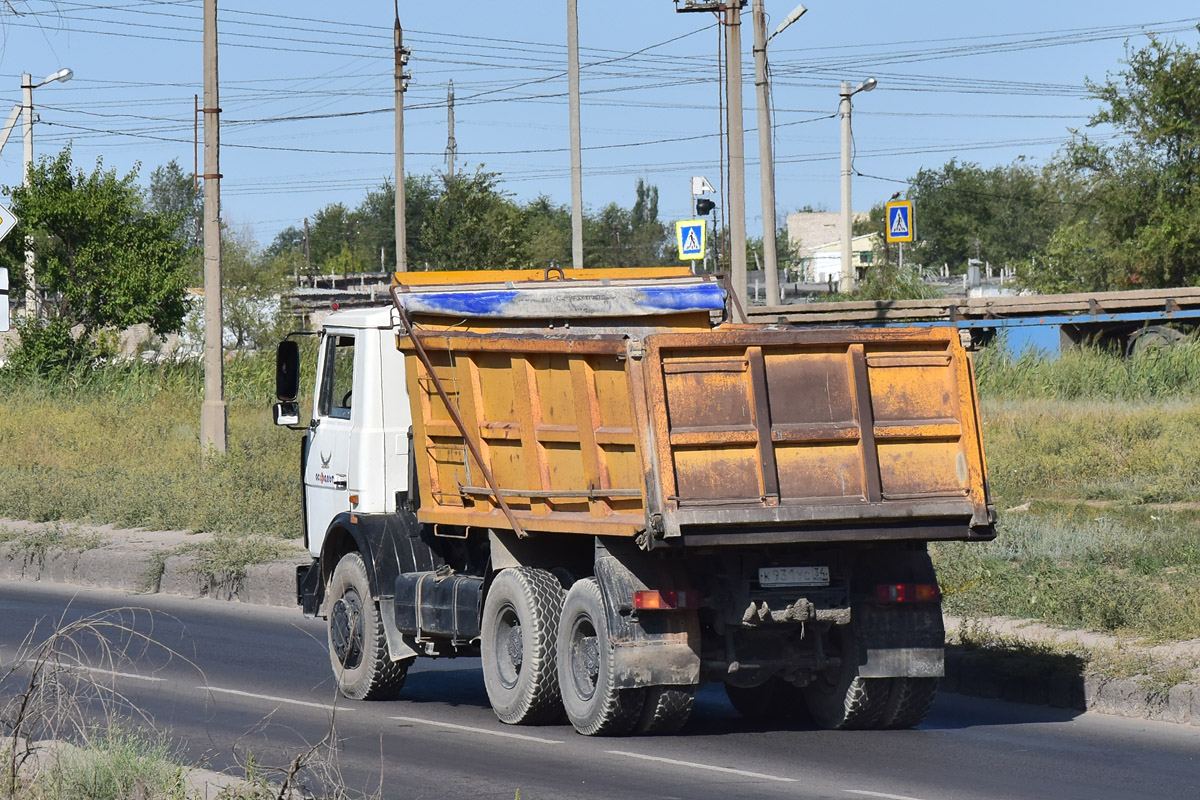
column 546, row 651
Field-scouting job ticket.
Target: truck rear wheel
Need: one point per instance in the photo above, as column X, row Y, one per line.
column 838, row 698
column 518, row 634
column 909, row 702
column 666, row 709
column 585, row 668
column 358, row 648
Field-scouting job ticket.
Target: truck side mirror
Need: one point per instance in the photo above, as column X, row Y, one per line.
column 287, row 371
column 287, row 413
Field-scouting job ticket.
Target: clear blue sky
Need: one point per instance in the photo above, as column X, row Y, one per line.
column 983, row 82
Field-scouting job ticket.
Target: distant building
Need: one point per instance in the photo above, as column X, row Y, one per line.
column 816, row 235
column 825, row 263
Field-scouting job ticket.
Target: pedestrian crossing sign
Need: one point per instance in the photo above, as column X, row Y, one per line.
column 689, row 235
column 900, row 221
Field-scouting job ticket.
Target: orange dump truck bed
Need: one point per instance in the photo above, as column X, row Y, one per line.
column 665, row 426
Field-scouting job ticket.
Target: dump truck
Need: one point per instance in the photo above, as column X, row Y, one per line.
column 611, row 493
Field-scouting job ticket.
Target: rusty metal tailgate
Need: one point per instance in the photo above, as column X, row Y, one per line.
column 814, row 434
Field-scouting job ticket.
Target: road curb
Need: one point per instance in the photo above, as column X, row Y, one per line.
column 153, row 572
column 980, row 673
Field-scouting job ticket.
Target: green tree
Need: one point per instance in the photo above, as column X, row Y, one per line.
column 1004, row 215
column 472, row 224
column 635, row 237
column 173, row 193
column 1142, row 226
column 103, row 258
column 548, row 233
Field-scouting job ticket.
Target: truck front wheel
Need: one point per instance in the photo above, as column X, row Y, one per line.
column 517, row 639
column 358, row 648
column 585, row 668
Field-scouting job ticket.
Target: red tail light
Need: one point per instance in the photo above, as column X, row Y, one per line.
column 652, row 600
column 907, row 593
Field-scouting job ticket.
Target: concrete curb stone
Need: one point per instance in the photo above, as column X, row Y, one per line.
column 975, row 674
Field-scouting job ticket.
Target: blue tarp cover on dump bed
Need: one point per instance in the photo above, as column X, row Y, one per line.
column 557, row 299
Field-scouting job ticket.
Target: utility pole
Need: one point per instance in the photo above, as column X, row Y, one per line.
column 401, row 56
column 576, row 137
column 27, row 166
column 766, row 157
column 451, row 144
column 214, row 416
column 847, row 278
column 737, row 149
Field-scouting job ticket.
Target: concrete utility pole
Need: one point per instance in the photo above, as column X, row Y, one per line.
column 27, row 165
column 737, row 149
column 401, row 54
column 214, row 416
column 451, row 144
column 576, row 138
column 766, row 157
column 847, row 279
column 26, row 112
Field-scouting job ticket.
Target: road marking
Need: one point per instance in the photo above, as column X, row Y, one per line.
column 274, row 699
column 881, row 795
column 487, row 731
column 114, row 673
column 694, row 765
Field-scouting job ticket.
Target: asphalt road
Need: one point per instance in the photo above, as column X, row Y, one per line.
column 249, row 679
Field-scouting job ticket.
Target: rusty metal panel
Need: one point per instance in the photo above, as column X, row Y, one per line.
column 797, row 434
column 767, row 427
column 552, row 419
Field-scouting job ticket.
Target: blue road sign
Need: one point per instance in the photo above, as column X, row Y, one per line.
column 900, row 221
column 689, row 235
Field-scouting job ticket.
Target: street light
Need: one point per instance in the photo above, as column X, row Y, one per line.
column 27, row 87
column 846, row 283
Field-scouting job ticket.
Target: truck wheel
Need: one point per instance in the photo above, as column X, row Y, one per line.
column 666, row 709
column 838, row 698
column 518, row 633
column 358, row 649
column 909, row 702
column 585, row 668
column 774, row 700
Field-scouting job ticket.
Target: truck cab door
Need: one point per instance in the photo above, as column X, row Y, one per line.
column 328, row 459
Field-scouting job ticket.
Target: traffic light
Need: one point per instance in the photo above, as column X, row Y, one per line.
column 703, row 206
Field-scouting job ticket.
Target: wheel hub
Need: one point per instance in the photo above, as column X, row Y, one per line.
column 346, row 629
column 585, row 660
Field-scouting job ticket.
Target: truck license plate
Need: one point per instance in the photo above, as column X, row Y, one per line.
column 793, row 576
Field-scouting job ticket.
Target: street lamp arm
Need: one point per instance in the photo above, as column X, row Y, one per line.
column 63, row 75
column 796, row 14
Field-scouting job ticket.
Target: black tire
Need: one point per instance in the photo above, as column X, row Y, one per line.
column 358, row 650
column 908, row 703
column 585, row 668
column 666, row 709
column 838, row 699
column 517, row 638
column 774, row 700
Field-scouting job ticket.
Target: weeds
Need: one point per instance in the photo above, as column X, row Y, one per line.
column 35, row 544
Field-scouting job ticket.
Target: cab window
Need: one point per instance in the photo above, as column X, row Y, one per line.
column 337, row 380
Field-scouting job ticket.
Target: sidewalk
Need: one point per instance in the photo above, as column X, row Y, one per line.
column 1031, row 662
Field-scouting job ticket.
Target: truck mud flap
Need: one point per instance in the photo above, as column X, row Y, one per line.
column 901, row 642
column 653, row 649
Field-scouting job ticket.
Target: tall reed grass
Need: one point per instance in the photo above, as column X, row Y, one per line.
column 120, row 444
